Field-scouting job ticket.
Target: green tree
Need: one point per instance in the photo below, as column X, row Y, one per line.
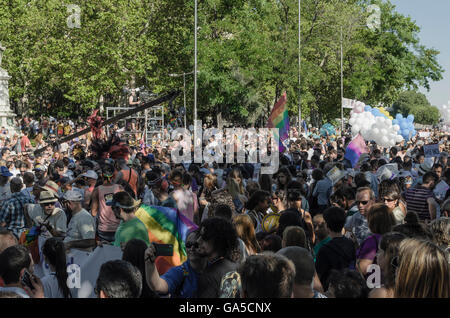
column 415, row 103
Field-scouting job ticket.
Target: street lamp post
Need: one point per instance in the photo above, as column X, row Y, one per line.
column 195, row 68
column 342, row 83
column 299, row 75
column 184, row 91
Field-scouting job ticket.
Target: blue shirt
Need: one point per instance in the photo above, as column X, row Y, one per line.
column 322, row 191
column 182, row 281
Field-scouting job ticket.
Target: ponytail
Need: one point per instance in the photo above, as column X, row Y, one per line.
column 55, row 253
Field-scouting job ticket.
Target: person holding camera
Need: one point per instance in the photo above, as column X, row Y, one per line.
column 81, row 227
column 180, row 281
column 48, row 216
column 124, row 208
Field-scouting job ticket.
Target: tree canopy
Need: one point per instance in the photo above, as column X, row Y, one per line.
column 247, row 55
column 412, row 102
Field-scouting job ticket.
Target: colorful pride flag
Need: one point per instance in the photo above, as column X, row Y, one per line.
column 355, row 149
column 167, row 226
column 279, row 118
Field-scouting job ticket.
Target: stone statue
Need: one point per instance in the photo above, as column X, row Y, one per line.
column 6, row 114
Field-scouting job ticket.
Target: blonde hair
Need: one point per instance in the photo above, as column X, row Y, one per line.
column 246, row 231
column 210, row 181
column 423, row 271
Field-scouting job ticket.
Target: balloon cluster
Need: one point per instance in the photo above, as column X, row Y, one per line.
column 378, row 112
column 384, row 133
column 378, row 129
column 327, row 130
column 445, row 113
column 406, row 126
column 358, row 108
column 384, row 112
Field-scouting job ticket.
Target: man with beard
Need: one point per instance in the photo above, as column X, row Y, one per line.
column 46, row 214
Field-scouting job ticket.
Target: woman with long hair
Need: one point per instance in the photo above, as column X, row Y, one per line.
column 390, row 195
column 235, row 187
column 55, row 284
column 257, row 206
column 380, row 221
column 283, row 177
column 423, row 271
column 265, row 182
column 246, row 232
column 387, row 252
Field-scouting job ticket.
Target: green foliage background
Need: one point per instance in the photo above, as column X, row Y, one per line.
column 248, row 55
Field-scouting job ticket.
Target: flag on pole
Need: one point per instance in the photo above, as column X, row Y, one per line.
column 355, row 149
column 279, row 118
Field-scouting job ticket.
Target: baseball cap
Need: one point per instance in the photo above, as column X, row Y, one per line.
column 4, row 171
column 73, row 196
column 91, row 174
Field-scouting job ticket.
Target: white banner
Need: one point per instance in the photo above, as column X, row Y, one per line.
column 88, row 264
column 431, row 151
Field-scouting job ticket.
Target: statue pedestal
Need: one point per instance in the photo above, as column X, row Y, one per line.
column 6, row 114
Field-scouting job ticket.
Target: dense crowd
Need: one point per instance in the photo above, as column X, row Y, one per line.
column 317, row 228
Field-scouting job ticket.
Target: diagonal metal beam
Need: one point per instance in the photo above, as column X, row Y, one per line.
column 169, row 97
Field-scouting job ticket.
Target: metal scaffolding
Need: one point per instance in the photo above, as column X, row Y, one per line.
column 149, row 122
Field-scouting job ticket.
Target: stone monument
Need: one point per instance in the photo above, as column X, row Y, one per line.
column 6, row 114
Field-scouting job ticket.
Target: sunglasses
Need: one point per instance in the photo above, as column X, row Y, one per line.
column 48, row 203
column 191, row 244
column 362, row 202
column 388, row 200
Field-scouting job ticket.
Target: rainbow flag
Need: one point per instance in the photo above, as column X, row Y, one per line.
column 355, row 149
column 167, row 226
column 279, row 118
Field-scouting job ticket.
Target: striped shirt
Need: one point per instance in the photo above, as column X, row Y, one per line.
column 416, row 201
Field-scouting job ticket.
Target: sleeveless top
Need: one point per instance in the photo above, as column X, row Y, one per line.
column 107, row 221
column 133, row 180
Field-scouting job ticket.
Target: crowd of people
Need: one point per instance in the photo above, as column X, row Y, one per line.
column 319, row 227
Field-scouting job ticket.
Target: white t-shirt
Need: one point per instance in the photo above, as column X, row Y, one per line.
column 51, row 287
column 58, row 219
column 81, row 227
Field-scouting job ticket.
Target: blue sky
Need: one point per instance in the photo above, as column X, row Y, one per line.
column 433, row 18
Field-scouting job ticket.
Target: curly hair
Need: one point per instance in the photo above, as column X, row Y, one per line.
column 441, row 231
column 222, row 234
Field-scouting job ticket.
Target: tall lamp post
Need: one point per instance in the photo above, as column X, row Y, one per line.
column 184, row 91
column 299, row 75
column 195, row 68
